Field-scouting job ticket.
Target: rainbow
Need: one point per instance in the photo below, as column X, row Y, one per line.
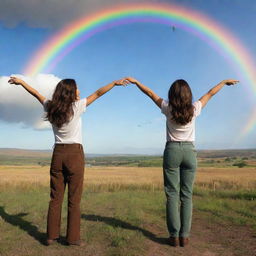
column 250, row 124
column 214, row 34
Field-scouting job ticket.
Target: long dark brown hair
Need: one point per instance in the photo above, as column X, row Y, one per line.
column 59, row 109
column 180, row 101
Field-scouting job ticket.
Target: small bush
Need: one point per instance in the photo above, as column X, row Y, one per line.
column 240, row 164
column 227, row 159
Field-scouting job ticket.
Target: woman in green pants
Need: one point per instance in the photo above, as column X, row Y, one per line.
column 179, row 161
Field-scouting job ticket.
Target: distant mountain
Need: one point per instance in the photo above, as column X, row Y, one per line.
column 227, row 153
column 16, row 152
column 24, row 152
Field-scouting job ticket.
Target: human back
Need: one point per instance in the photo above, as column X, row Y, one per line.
column 180, row 112
column 179, row 158
column 64, row 112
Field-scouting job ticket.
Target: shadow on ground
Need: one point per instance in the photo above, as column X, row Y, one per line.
column 125, row 225
column 18, row 221
column 32, row 230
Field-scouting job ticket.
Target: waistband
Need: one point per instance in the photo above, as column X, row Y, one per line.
column 66, row 145
column 180, row 142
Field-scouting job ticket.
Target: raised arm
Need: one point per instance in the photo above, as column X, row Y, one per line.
column 146, row 90
column 205, row 98
column 28, row 88
column 103, row 90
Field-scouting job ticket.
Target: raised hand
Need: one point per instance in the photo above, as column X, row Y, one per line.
column 28, row 88
column 15, row 80
column 121, row 82
column 230, row 82
column 205, row 98
column 132, row 80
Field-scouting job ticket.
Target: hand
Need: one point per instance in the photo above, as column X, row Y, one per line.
column 230, row 82
column 120, row 82
column 15, row 80
column 132, row 80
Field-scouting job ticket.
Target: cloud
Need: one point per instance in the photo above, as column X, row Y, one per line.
column 52, row 14
column 18, row 106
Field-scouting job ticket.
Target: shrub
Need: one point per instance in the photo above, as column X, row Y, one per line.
column 240, row 164
column 227, row 159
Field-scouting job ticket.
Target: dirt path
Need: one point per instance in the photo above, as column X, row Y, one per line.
column 207, row 239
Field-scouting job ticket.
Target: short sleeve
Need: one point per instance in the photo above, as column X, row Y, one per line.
column 82, row 105
column 198, row 107
column 45, row 104
column 165, row 107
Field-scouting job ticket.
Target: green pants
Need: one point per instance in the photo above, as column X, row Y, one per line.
column 179, row 167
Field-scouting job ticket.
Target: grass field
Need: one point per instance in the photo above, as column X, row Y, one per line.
column 149, row 177
column 123, row 212
column 206, row 158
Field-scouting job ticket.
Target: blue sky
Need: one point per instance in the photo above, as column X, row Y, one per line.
column 125, row 120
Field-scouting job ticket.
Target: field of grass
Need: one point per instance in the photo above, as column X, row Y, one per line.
column 206, row 158
column 123, row 212
column 228, row 178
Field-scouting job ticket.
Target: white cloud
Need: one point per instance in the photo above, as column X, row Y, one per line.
column 18, row 106
column 53, row 14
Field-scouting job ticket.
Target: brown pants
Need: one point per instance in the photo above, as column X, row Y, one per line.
column 67, row 167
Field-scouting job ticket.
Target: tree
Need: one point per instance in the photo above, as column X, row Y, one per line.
column 240, row 164
column 42, row 164
column 227, row 159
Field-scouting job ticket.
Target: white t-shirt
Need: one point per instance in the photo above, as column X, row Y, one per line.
column 177, row 132
column 70, row 132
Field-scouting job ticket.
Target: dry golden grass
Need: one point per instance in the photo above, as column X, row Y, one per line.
column 227, row 178
column 210, row 177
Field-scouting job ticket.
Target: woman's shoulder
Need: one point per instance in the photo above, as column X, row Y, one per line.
column 165, row 104
column 198, row 107
column 45, row 104
column 197, row 104
column 80, row 104
column 165, row 107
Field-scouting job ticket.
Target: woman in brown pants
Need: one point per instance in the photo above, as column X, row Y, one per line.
column 64, row 112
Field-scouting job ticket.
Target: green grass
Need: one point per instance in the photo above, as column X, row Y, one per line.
column 112, row 222
column 23, row 160
column 236, row 207
column 116, row 222
column 204, row 160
